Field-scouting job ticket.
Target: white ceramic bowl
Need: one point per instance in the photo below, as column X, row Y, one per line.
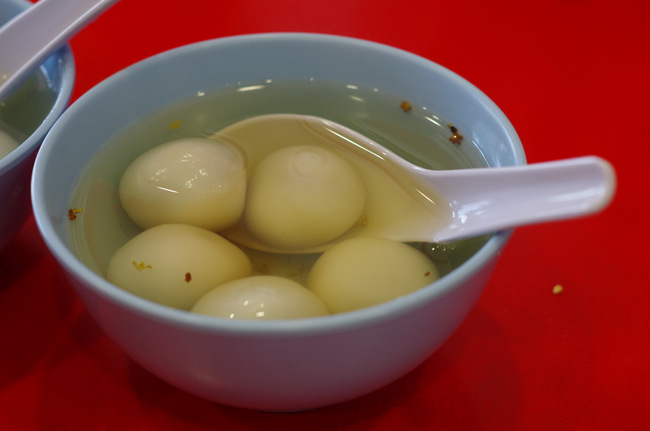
column 16, row 168
column 269, row 365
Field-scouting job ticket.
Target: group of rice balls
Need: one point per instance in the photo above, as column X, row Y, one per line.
column 183, row 192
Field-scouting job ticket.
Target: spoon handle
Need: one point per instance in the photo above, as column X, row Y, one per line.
column 491, row 199
column 30, row 37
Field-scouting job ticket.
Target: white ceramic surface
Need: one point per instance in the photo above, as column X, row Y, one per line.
column 39, row 31
column 270, row 365
column 485, row 200
column 16, row 168
column 481, row 200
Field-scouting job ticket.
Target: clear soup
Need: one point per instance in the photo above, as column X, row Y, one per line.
column 99, row 226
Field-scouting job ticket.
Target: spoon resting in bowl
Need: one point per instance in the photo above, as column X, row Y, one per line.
column 409, row 203
column 36, row 33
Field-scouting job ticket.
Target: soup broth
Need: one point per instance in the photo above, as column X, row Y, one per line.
column 100, row 226
column 23, row 112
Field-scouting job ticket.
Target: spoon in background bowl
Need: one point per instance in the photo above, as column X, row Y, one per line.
column 438, row 205
column 33, row 35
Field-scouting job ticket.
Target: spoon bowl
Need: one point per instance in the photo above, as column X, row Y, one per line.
column 430, row 205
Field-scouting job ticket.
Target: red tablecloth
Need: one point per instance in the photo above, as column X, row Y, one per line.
column 573, row 77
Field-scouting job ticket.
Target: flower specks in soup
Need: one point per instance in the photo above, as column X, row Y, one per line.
column 105, row 225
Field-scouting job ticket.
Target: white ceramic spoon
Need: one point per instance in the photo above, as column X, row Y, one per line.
column 481, row 200
column 36, row 33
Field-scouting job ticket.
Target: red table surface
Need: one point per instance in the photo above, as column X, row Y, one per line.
column 572, row 76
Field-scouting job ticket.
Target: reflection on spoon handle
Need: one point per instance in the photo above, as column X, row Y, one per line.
column 29, row 38
column 492, row 199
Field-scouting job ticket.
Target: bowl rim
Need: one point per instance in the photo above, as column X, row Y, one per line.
column 286, row 328
column 64, row 57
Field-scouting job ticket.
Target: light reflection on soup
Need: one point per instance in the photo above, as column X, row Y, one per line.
column 416, row 134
